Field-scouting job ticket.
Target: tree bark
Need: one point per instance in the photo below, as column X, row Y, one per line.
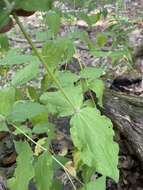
column 126, row 112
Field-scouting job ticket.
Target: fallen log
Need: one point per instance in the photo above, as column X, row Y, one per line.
column 126, row 112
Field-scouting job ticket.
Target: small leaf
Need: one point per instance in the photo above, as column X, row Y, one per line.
column 44, row 171
column 23, row 110
column 57, row 185
column 53, row 20
column 60, row 104
column 66, row 78
column 3, row 125
column 38, row 148
column 13, row 57
column 32, row 93
column 112, row 54
column 4, row 43
column 85, row 17
column 24, row 129
column 42, row 128
column 95, row 18
column 99, row 149
column 91, row 72
column 32, row 5
column 58, row 51
column 101, row 39
column 70, row 166
column 97, row 86
column 87, row 173
column 7, row 97
column 98, row 184
column 26, row 74
column 24, row 170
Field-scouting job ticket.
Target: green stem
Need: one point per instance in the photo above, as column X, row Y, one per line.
column 40, row 57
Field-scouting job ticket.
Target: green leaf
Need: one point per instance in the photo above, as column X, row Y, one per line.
column 99, row 184
column 94, row 18
column 57, row 185
column 7, row 97
column 44, row 35
column 24, row 170
column 24, row 129
column 91, row 72
column 97, row 86
column 3, row 125
column 85, row 17
column 13, row 57
column 4, row 43
column 40, row 118
column 32, row 93
column 58, row 51
column 32, row 5
column 112, row 54
column 87, row 173
column 95, row 141
column 101, row 39
column 53, row 20
column 23, row 110
column 66, row 78
column 83, row 36
column 44, row 171
column 40, row 143
column 26, row 74
column 60, row 104
column 42, row 128
column 90, row 19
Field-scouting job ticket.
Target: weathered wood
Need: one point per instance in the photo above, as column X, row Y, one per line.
column 126, row 112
